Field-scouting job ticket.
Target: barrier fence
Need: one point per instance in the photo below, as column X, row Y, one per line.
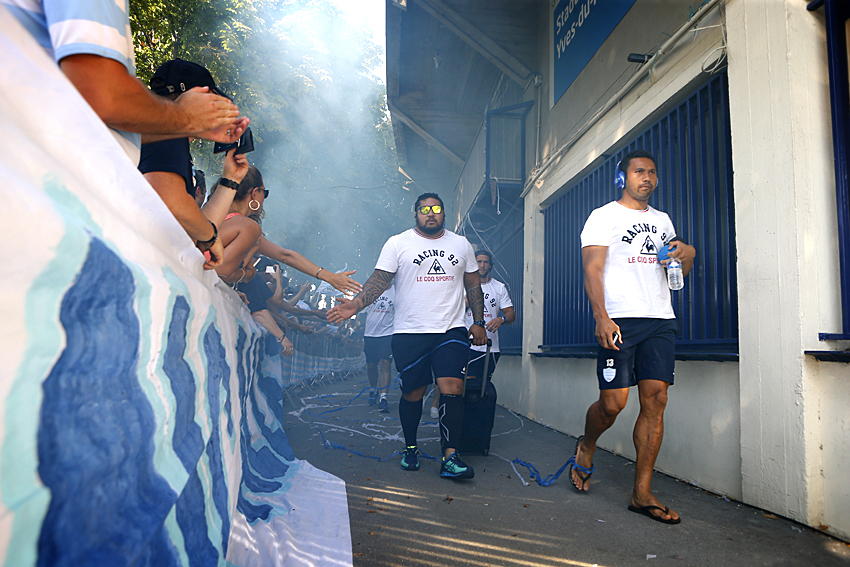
column 316, row 357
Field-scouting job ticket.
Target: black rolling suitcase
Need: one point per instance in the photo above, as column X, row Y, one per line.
column 479, row 411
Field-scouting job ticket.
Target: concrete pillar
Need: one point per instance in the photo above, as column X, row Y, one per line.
column 783, row 162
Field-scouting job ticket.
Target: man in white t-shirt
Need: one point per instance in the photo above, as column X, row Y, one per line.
column 635, row 323
column 496, row 300
column 377, row 345
column 431, row 268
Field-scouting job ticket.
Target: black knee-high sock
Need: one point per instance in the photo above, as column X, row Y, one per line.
column 451, row 420
column 410, row 413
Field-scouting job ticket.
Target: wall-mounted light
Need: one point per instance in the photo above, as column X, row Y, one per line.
column 639, row 58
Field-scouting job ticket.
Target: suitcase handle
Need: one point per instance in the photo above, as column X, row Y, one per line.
column 486, row 375
column 486, row 370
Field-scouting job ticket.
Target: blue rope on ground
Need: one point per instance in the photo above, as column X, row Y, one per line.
column 534, row 474
column 351, row 401
column 327, row 444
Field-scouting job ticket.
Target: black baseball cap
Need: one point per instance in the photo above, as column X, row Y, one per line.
column 178, row 76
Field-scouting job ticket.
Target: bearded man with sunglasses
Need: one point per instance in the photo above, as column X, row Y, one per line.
column 432, row 268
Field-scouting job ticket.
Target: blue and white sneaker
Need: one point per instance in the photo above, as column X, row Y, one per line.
column 455, row 469
column 373, row 397
column 383, row 406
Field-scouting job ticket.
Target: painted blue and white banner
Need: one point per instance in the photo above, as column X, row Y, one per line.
column 580, row 29
column 137, row 423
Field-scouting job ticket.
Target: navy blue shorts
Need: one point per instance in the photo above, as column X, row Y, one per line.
column 419, row 358
column 648, row 352
column 377, row 348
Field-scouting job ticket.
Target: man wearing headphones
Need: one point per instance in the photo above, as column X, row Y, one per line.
column 635, row 323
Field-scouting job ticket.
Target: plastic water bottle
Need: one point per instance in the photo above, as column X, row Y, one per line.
column 675, row 277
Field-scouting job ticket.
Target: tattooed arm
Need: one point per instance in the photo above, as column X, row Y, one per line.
column 474, row 295
column 475, row 298
column 377, row 284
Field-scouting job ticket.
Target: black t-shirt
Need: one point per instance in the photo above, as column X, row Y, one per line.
column 257, row 291
column 169, row 155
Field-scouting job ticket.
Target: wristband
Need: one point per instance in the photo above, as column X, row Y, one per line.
column 319, row 271
column 480, row 323
column 211, row 241
column 280, row 340
column 228, row 183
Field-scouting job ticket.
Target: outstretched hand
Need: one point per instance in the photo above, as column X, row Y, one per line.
column 210, row 114
column 343, row 282
column 228, row 133
column 344, row 309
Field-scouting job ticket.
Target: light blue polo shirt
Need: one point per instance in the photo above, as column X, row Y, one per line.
column 96, row 27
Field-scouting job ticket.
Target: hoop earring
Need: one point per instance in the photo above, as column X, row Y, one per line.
column 254, row 205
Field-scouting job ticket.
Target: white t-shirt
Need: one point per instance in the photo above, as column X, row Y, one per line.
column 635, row 283
column 495, row 298
column 429, row 290
column 379, row 317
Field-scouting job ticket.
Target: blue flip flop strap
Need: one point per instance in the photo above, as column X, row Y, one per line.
column 580, row 468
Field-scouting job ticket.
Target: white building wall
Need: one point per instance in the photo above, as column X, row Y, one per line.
column 772, row 430
column 829, row 506
column 794, row 442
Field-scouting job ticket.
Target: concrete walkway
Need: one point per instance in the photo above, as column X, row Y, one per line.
column 417, row 518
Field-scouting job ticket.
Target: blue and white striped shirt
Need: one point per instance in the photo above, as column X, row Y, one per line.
column 96, row 27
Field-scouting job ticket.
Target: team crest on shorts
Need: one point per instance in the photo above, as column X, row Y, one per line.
column 608, row 374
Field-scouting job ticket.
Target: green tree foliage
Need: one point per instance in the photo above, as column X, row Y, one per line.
column 306, row 78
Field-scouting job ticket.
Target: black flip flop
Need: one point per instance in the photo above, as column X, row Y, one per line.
column 588, row 472
column 646, row 511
